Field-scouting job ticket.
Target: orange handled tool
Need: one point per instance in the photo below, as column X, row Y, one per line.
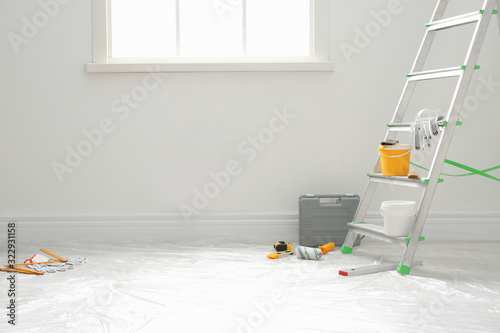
column 53, row 255
column 33, row 263
column 327, row 247
column 20, row 270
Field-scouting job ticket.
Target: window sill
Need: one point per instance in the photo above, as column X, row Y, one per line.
column 324, row 66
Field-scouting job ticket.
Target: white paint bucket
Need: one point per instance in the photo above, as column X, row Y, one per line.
column 399, row 216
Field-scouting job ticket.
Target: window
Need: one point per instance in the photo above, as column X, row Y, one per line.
column 210, row 35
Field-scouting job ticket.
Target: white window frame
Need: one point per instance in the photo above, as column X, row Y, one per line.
column 318, row 62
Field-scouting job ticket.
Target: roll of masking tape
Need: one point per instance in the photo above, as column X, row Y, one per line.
column 304, row 252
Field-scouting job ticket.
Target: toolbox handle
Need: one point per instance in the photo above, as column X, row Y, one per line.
column 326, row 199
column 347, row 195
column 329, row 199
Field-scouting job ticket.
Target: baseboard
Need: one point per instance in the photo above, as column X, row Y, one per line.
column 464, row 225
column 139, row 227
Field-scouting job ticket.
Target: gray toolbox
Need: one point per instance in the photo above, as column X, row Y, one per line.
column 324, row 218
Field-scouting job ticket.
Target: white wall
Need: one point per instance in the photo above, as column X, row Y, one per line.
column 193, row 124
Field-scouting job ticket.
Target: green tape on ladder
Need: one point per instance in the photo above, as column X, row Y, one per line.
column 445, row 123
column 465, row 167
column 494, row 11
column 474, row 171
column 407, row 239
column 475, row 67
column 440, row 180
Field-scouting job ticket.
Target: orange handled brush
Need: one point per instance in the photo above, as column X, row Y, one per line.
column 53, row 255
column 20, row 270
column 34, row 263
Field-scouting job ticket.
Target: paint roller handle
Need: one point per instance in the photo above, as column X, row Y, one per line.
column 327, row 247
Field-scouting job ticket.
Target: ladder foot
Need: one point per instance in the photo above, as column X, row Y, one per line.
column 346, row 249
column 403, row 269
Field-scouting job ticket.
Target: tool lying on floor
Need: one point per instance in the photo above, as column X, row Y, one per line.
column 283, row 249
column 281, row 254
column 311, row 253
column 303, row 252
column 282, row 246
column 41, row 264
column 44, row 264
column 41, row 259
column 53, row 255
column 13, row 268
column 36, row 262
column 327, row 247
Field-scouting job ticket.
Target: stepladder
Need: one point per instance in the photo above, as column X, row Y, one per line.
column 462, row 72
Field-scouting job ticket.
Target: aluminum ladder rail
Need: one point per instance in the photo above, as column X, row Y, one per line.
column 357, row 228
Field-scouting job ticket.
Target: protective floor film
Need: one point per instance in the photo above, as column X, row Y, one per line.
column 219, row 286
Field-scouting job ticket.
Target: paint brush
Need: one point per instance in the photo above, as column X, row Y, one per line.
column 53, row 255
column 21, row 270
column 34, row 263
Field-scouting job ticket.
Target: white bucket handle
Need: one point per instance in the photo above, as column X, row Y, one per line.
column 398, row 155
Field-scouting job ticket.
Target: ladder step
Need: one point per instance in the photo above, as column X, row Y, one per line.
column 454, row 21
column 399, row 127
column 377, row 231
column 406, row 126
column 436, row 73
column 399, row 180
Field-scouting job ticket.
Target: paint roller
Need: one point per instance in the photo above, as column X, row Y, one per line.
column 312, row 253
column 304, row 252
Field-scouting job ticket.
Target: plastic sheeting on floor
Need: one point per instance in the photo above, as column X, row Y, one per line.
column 232, row 287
